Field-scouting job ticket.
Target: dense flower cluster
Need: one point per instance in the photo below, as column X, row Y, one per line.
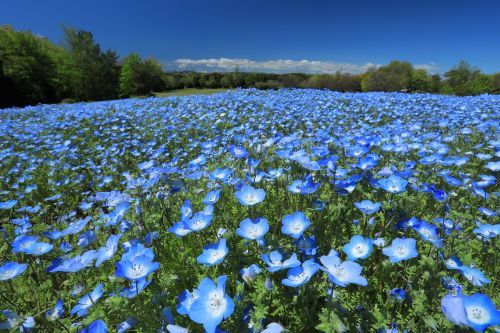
column 251, row 211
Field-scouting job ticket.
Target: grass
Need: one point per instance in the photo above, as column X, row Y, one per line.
column 190, row 91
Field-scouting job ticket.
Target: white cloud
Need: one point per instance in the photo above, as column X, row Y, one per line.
column 274, row 66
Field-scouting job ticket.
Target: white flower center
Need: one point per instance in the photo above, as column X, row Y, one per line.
column 401, row 251
column 477, row 314
column 216, row 303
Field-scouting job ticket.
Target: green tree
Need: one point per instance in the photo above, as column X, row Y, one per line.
column 29, row 68
column 93, row 74
column 396, row 76
column 139, row 77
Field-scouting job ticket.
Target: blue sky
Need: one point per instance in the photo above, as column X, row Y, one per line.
column 277, row 36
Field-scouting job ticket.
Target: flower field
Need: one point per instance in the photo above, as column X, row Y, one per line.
column 252, row 211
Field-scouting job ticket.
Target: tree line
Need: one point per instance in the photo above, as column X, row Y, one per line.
column 34, row 70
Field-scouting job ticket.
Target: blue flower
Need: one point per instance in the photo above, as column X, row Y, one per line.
column 358, row 248
column 212, row 304
column 249, row 273
column 186, row 209
column 23, row 243
column 126, row 326
column 87, row 301
column 56, row 312
column 11, row 269
column 473, row 275
column 307, row 245
column 212, row 197
column 275, row 263
column 453, row 309
column 248, row 196
column 106, row 252
column 214, row 253
column 367, row 207
column 343, row 273
column 481, row 312
column 307, row 186
column 198, row 222
column 97, row 326
column 487, row 231
column 238, row 151
column 253, row 229
column 295, row 224
column 429, row 233
column 136, row 263
column 401, row 249
column 394, row 184
column 185, row 300
column 8, row 204
column 398, row 294
column 300, row 275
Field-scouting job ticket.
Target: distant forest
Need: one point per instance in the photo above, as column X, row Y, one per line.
column 34, row 70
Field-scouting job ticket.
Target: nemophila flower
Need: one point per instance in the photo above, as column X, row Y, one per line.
column 214, row 253
column 40, row 248
column 429, row 233
column 250, row 273
column 11, row 269
column 343, row 273
column 481, row 312
column 307, row 245
column 253, row 229
column 295, row 224
column 212, row 197
column 487, row 231
column 358, row 248
column 212, row 304
column 401, row 249
column 87, row 301
column 179, row 229
column 13, row 320
column 367, row 163
column 306, row 186
column 300, row 275
column 106, row 252
column 198, row 222
column 368, row 207
column 394, row 184
column 493, row 166
column 8, row 204
column 473, row 275
column 126, row 326
column 273, row 328
column 185, row 300
column 452, row 263
column 486, row 211
column 97, row 326
column 176, row 329
column 238, row 151
column 449, row 283
column 56, row 312
column 439, row 195
column 74, row 264
column 87, row 238
column 275, row 262
column 186, row 210
column 248, row 196
column 222, row 174
column 136, row 263
column 23, row 243
column 398, row 294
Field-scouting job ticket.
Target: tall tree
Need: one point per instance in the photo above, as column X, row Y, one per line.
column 93, row 73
